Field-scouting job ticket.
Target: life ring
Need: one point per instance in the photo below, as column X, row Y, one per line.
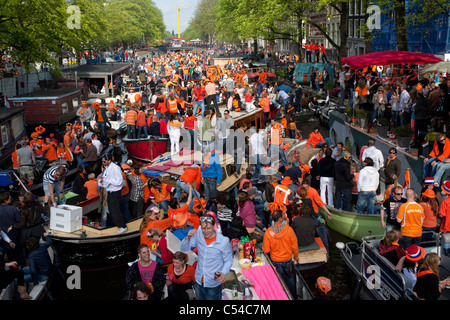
column 380, row 68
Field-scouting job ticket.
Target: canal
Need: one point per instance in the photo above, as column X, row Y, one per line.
column 109, row 284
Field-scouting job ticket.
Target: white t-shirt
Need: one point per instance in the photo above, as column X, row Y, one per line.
column 98, row 145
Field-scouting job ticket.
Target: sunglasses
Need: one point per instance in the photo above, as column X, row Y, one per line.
column 398, row 194
column 207, row 219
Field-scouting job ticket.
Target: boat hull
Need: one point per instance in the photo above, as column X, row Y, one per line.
column 145, row 149
column 353, row 225
column 94, row 248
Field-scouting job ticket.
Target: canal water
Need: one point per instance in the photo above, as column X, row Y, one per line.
column 109, row 284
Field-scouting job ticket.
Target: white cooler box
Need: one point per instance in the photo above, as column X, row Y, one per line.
column 66, row 218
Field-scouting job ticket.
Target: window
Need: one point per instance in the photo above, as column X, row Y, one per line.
column 357, row 28
column 357, row 7
column 65, row 107
column 362, row 23
column 75, row 103
column 5, row 135
column 350, row 28
column 351, row 4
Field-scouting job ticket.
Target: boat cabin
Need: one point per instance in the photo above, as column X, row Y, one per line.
column 12, row 128
column 53, row 105
column 99, row 77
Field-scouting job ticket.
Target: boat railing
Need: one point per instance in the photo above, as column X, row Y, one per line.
column 303, row 290
column 380, row 275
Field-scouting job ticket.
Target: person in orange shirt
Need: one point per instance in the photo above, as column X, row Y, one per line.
column 141, row 123
column 160, row 194
column 281, row 242
column 14, row 159
column 68, row 139
column 64, row 154
column 444, row 210
column 130, row 119
column 192, row 174
column 175, row 210
column 151, row 221
column 49, row 150
column 180, row 277
column 91, row 187
column 410, row 215
column 36, row 145
column 315, row 139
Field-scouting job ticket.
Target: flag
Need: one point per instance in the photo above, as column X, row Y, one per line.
column 7, row 104
column 406, row 185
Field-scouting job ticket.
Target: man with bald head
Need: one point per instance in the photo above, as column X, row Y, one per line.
column 410, row 216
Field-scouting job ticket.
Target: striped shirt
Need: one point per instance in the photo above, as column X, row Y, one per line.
column 49, row 175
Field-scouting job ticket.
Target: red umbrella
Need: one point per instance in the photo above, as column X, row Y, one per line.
column 389, row 57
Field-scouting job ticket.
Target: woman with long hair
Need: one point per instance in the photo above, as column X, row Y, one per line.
column 428, row 285
column 430, row 207
column 247, row 211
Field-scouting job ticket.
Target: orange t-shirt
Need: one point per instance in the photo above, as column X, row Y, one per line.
column 430, row 219
column 51, row 153
column 91, row 186
column 411, row 215
column 187, row 277
column 315, row 198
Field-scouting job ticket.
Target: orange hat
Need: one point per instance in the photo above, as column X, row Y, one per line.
column 429, row 193
column 180, row 219
column 198, row 205
column 40, row 129
column 276, row 206
column 125, row 167
column 34, row 134
column 110, row 101
column 83, row 102
column 286, row 181
column 324, row 284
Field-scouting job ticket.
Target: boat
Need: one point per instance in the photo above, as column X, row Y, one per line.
column 171, row 167
column 12, row 127
column 95, row 247
column 352, row 224
column 36, row 291
column 376, row 278
column 146, row 149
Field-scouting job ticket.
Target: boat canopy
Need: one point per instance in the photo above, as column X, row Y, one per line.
column 389, row 57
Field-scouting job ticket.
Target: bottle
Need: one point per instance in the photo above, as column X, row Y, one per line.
column 234, row 293
column 247, row 295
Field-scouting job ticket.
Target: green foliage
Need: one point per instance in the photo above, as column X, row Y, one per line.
column 431, row 136
column 403, row 131
column 363, row 114
column 383, row 121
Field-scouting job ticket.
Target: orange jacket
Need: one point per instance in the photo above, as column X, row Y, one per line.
column 156, row 224
column 445, row 153
column 50, row 153
column 172, row 106
column 282, row 193
column 281, row 242
column 162, row 195
column 191, row 175
column 314, row 138
column 315, row 198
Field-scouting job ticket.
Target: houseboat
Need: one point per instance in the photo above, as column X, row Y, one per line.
column 12, row 127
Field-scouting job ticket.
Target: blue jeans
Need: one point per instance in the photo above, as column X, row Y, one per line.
column 183, row 186
column 342, row 95
column 395, row 118
column 441, row 168
column 284, row 269
column 274, row 149
column 426, row 168
column 366, row 198
column 164, row 205
column 140, row 129
column 131, row 131
column 203, row 293
column 201, row 104
column 102, row 126
column 405, row 118
column 238, row 157
column 256, row 160
column 210, row 187
column 28, row 278
column 343, row 199
column 350, row 99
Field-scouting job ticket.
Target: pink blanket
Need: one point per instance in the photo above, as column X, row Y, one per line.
column 265, row 282
column 174, row 164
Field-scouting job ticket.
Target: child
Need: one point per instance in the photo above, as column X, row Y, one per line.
column 390, row 249
column 91, row 187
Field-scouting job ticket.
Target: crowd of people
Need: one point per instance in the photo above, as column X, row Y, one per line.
column 279, row 196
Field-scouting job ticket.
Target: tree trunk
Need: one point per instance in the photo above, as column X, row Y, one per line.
column 343, row 30
column 400, row 25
